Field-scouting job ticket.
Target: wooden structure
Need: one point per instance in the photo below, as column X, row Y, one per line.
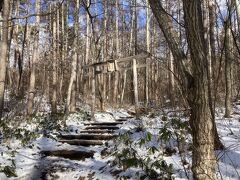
column 121, row 65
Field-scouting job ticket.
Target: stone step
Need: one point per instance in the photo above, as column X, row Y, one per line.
column 88, row 136
column 70, row 154
column 102, row 127
column 97, row 131
column 82, row 142
column 104, row 123
column 121, row 119
column 126, row 117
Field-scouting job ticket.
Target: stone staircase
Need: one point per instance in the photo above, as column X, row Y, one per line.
column 93, row 134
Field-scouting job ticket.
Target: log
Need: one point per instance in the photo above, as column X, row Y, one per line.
column 70, row 154
column 127, row 117
column 82, row 142
column 137, row 57
column 104, row 123
column 88, row 136
column 121, row 120
column 99, row 131
column 102, row 127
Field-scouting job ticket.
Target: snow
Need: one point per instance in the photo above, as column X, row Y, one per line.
column 229, row 159
column 104, row 117
column 74, row 123
column 30, row 164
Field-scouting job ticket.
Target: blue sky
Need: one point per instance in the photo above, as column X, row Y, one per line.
column 141, row 10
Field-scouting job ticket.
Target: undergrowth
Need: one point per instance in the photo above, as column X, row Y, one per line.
column 147, row 152
column 27, row 129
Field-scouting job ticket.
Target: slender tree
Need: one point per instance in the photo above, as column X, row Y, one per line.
column 54, row 64
column 237, row 5
column 71, row 106
column 228, row 61
column 31, row 90
column 3, row 52
column 148, row 39
column 116, row 74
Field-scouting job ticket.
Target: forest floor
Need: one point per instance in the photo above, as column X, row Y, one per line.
column 155, row 146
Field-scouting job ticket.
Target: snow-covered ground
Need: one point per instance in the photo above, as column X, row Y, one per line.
column 153, row 139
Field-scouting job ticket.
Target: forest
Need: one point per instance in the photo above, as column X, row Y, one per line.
column 120, row 89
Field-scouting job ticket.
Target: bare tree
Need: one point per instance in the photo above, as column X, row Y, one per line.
column 148, row 39
column 54, row 65
column 31, row 90
column 228, row 61
column 237, row 5
column 194, row 84
column 116, row 74
column 3, row 52
column 71, row 107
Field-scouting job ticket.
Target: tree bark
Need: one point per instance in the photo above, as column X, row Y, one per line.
column 135, row 85
column 17, row 54
column 116, row 74
column 170, row 57
column 93, row 93
column 71, row 104
column 228, row 63
column 171, row 79
column 87, row 52
column 3, row 52
column 204, row 161
column 54, row 66
column 63, row 52
column 211, row 6
column 132, row 28
column 135, row 27
column 194, row 86
column 124, row 85
column 117, row 28
column 105, row 54
column 148, row 39
column 31, row 90
column 238, row 13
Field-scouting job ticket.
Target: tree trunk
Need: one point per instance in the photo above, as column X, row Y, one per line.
column 170, row 57
column 63, row 23
column 87, row 52
column 115, row 87
column 54, row 71
column 194, row 86
column 17, row 55
column 93, row 93
column 106, row 92
column 3, row 52
column 148, row 39
column 135, row 28
column 71, row 104
column 124, row 85
column 135, row 85
column 228, row 65
column 24, row 43
column 131, row 41
column 238, row 13
column 204, row 161
column 31, row 90
column 116, row 74
column 211, row 6
column 117, row 28
column 171, row 79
